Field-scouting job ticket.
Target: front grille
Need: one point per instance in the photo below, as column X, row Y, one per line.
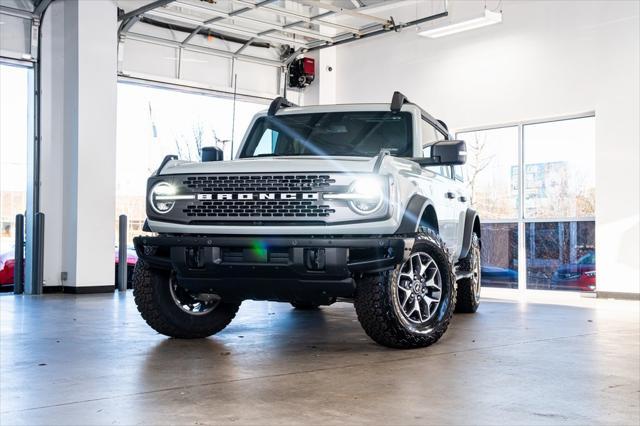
column 255, row 208
column 258, row 183
column 300, row 209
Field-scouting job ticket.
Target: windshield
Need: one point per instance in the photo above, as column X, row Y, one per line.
column 351, row 133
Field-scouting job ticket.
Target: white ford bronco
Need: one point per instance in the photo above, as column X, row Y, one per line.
column 363, row 203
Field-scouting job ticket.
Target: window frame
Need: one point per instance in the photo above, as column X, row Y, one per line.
column 521, row 220
column 444, row 171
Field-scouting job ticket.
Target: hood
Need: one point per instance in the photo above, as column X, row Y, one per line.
column 291, row 164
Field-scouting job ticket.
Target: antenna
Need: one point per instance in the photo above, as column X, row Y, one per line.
column 233, row 119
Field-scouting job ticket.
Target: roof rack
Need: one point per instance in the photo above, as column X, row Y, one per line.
column 279, row 103
column 399, row 99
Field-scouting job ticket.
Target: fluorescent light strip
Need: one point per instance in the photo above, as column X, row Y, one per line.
column 489, row 18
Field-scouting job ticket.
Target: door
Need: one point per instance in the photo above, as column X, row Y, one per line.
column 444, row 191
column 461, row 203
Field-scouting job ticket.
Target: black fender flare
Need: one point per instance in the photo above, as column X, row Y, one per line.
column 469, row 221
column 412, row 214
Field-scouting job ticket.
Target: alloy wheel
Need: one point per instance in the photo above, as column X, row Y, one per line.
column 192, row 304
column 418, row 289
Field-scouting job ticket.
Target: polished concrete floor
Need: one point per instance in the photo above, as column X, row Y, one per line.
column 90, row 359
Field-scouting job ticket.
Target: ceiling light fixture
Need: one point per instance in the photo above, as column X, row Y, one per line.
column 489, row 18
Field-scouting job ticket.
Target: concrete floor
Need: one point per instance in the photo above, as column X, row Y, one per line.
column 91, row 360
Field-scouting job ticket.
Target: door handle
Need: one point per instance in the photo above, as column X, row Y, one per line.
column 462, row 199
column 450, row 195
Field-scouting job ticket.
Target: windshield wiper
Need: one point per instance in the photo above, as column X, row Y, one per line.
column 278, row 155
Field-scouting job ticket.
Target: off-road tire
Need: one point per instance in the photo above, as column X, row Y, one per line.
column 468, row 298
column 375, row 309
column 153, row 299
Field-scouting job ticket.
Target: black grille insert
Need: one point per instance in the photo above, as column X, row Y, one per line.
column 257, row 208
column 257, row 183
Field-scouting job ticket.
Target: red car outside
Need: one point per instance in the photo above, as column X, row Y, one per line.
column 7, row 266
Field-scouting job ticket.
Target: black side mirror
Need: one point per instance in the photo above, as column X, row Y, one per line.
column 211, row 153
column 445, row 153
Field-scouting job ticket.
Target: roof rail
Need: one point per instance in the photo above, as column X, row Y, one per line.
column 400, row 99
column 278, row 103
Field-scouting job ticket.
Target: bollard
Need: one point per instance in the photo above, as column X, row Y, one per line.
column 18, row 267
column 38, row 262
column 122, row 253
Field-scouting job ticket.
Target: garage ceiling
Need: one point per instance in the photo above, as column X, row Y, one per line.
column 291, row 26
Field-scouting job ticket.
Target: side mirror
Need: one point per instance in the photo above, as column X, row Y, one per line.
column 445, row 153
column 211, row 153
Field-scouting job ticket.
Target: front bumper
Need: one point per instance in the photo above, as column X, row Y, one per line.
column 272, row 268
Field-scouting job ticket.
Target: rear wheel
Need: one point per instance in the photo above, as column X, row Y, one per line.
column 468, row 298
column 174, row 311
column 409, row 307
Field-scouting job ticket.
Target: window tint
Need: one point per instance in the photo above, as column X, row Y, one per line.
column 357, row 133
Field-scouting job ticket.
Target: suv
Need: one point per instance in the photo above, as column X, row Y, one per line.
column 362, row 203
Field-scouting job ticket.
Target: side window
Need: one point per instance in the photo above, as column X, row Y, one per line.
column 430, row 136
column 457, row 173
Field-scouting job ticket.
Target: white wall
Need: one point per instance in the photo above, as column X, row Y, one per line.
column 546, row 59
column 78, row 142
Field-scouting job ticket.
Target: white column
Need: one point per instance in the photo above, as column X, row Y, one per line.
column 79, row 89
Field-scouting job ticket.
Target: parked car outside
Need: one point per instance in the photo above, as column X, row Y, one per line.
column 7, row 266
column 496, row 276
column 576, row 276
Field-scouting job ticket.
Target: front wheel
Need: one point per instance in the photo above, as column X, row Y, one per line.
column 409, row 307
column 172, row 310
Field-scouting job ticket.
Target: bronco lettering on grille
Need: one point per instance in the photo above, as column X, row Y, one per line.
column 259, row 196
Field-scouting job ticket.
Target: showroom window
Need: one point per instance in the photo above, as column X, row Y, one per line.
column 156, row 121
column 15, row 122
column 534, row 186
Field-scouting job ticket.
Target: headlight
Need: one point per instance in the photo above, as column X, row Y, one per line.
column 162, row 197
column 368, row 195
column 365, row 195
column 590, row 274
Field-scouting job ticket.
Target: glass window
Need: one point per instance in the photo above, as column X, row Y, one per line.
column 492, row 171
column 14, row 128
column 559, row 159
column 154, row 122
column 457, row 173
column 499, row 255
column 559, row 183
column 267, row 144
column 561, row 255
column 362, row 134
column 430, row 134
